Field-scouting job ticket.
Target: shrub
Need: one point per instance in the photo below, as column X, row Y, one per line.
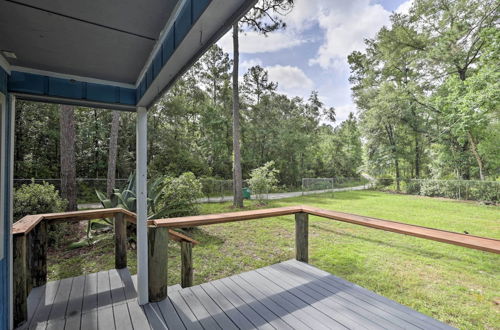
column 38, row 199
column 456, row 189
column 263, row 180
column 179, row 195
column 384, row 182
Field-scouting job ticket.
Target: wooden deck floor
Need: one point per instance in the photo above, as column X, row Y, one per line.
column 289, row 295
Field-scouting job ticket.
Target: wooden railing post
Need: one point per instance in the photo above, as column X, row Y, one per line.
column 157, row 263
column 302, row 237
column 20, row 280
column 120, row 241
column 36, row 252
column 186, row 264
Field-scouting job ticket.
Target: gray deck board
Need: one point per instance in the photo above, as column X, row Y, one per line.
column 255, row 318
column 233, row 313
column 198, row 310
column 282, row 311
column 304, row 311
column 390, row 306
column 289, row 295
column 355, row 309
column 215, row 311
column 186, row 315
column 318, row 299
column 90, row 293
column 170, row 314
column 41, row 315
column 255, row 304
column 302, row 298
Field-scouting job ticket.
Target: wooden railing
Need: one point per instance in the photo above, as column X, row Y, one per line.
column 158, row 287
column 30, row 242
column 30, row 249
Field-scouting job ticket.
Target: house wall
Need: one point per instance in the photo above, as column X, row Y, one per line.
column 5, row 203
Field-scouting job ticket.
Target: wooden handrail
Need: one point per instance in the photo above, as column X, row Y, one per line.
column 465, row 240
column 29, row 222
column 210, row 219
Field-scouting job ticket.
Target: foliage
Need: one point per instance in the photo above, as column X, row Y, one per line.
column 427, row 91
column 190, row 130
column 179, row 195
column 126, row 198
column 35, row 198
column 458, row 189
column 384, row 182
column 263, row 180
column 31, row 199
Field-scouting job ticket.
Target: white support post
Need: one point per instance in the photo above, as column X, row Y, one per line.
column 142, row 207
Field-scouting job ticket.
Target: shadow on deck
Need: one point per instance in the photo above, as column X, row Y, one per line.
column 289, row 295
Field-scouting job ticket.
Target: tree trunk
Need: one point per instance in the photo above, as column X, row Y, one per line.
column 473, row 148
column 112, row 153
column 68, row 163
column 237, row 175
column 398, row 175
column 417, row 157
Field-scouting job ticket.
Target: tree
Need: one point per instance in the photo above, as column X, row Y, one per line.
column 262, row 18
column 256, row 84
column 455, row 42
column 112, row 152
column 68, row 163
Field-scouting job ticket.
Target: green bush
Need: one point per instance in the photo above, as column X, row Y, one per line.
column 38, row 199
column 457, row 189
column 263, row 180
column 179, row 195
column 384, row 182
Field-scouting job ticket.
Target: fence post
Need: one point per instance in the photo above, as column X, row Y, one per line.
column 186, row 264
column 157, row 263
column 120, row 241
column 36, row 253
column 20, row 280
column 302, row 237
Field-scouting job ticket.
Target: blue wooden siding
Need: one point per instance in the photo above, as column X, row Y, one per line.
column 188, row 16
column 36, row 84
column 4, row 263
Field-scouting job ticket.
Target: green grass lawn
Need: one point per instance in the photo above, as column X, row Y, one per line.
column 456, row 285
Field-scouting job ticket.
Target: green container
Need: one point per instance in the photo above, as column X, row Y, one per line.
column 246, row 193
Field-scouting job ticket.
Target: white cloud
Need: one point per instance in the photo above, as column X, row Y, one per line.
column 291, row 80
column 253, row 42
column 404, row 8
column 346, row 24
column 245, row 65
column 342, row 111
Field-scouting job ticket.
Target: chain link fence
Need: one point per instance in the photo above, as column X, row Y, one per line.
column 313, row 185
column 217, row 190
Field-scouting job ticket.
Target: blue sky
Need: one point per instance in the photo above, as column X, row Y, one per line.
column 311, row 54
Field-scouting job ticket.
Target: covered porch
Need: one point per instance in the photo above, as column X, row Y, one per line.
column 102, row 54
column 124, row 56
